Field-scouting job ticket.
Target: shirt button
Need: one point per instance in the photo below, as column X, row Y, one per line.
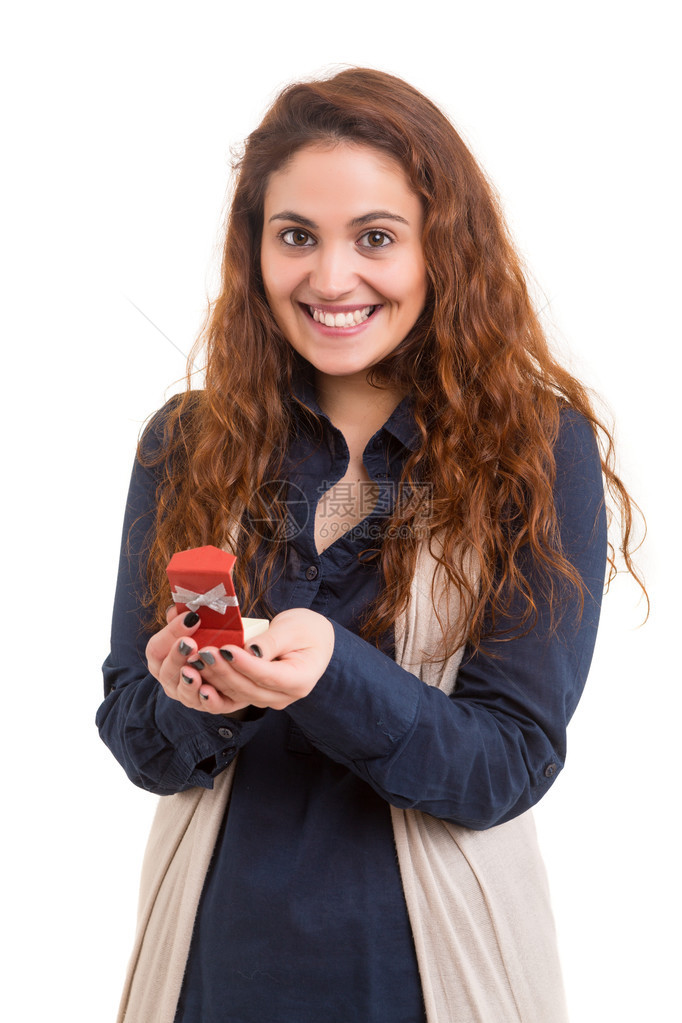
column 225, row 733
column 550, row 770
column 311, row 572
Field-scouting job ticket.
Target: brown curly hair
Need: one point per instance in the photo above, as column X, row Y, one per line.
column 487, row 391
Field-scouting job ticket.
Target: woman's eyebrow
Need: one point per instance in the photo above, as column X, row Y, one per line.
column 366, row 218
column 290, row 215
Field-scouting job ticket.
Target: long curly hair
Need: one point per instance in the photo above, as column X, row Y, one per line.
column 487, row 391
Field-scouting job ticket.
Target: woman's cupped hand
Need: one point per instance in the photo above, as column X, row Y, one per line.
column 281, row 665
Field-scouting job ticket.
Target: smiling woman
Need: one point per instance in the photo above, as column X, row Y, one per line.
column 415, row 490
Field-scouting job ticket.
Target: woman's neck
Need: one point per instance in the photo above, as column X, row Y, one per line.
column 356, row 408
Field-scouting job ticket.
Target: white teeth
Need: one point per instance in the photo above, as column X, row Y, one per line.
column 350, row 319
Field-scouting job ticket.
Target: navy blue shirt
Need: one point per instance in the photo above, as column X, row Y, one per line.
column 302, row 916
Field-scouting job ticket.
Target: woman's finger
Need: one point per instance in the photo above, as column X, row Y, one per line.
column 171, row 613
column 183, row 686
column 161, row 644
column 211, row 701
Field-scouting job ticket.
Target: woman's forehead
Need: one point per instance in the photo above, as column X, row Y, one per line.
column 340, row 177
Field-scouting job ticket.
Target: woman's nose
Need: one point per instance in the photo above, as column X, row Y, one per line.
column 333, row 273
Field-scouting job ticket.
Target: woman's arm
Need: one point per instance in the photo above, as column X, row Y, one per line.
column 493, row 749
column 163, row 745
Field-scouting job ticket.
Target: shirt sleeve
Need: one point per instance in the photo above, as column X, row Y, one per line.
column 162, row 745
column 492, row 749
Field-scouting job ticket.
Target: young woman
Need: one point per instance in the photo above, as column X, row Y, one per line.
column 414, row 490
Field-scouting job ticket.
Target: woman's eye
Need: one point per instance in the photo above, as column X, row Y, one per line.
column 295, row 236
column 376, row 240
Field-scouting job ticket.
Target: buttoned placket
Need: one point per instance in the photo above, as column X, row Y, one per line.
column 376, row 461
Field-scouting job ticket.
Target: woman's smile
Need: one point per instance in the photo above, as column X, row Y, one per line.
column 341, row 256
column 341, row 316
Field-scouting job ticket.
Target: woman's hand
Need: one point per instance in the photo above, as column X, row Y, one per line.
column 282, row 664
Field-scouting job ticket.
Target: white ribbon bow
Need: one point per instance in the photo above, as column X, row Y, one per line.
column 216, row 599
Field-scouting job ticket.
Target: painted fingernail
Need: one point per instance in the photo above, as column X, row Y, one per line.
column 185, row 648
column 196, row 664
column 190, row 619
column 207, row 657
column 256, row 650
column 204, row 696
column 186, row 678
column 226, row 655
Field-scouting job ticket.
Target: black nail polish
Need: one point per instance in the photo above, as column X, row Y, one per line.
column 185, row 648
column 207, row 657
column 227, row 655
column 190, row 619
column 196, row 664
column 186, row 678
column 256, row 650
column 203, row 696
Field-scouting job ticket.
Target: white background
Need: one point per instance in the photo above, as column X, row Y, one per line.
column 117, row 125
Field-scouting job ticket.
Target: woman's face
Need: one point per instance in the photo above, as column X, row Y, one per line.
column 341, row 256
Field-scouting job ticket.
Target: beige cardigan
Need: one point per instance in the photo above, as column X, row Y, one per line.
column 478, row 901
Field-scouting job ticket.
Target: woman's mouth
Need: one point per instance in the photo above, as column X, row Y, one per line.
column 347, row 317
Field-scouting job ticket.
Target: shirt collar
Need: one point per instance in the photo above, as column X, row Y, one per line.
column 402, row 425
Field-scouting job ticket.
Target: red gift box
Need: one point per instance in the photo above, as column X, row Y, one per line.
column 201, row 581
